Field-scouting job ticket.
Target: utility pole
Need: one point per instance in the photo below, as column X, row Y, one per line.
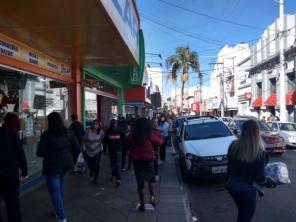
column 200, row 75
column 222, row 91
column 283, row 112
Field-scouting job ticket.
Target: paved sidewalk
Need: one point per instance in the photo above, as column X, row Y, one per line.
column 86, row 202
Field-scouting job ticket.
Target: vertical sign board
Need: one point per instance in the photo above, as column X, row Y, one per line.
column 124, row 16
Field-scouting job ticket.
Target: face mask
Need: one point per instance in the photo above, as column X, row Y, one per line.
column 162, row 119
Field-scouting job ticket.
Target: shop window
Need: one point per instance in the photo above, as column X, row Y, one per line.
column 272, row 85
column 259, row 88
column 32, row 98
column 291, row 81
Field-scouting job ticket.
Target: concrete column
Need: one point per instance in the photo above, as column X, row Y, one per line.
column 76, row 98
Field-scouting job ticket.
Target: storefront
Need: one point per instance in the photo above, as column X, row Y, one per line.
column 43, row 56
column 32, row 85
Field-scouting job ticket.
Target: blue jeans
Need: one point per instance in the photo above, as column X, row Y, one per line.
column 55, row 184
column 246, row 204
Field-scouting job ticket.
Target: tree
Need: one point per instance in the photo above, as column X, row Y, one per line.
column 184, row 60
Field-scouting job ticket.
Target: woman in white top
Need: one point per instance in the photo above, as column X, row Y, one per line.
column 93, row 149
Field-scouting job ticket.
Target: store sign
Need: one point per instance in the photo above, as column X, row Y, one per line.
column 21, row 52
column 123, row 15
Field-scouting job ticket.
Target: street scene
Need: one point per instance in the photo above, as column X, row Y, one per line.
column 148, row 110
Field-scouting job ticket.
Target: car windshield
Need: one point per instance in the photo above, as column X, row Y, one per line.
column 262, row 126
column 206, row 131
column 288, row 126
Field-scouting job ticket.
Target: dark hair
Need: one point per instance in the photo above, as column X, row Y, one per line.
column 141, row 131
column 99, row 128
column 113, row 123
column 56, row 124
column 161, row 116
column 74, row 117
column 11, row 121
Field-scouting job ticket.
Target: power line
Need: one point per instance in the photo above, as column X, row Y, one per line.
column 212, row 17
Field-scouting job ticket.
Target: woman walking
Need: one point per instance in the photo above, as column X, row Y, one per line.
column 156, row 148
column 93, row 149
column 56, row 147
column 164, row 130
column 140, row 145
column 246, row 163
column 13, row 167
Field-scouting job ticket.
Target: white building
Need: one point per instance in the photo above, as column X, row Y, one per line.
column 155, row 78
column 264, row 70
column 225, row 80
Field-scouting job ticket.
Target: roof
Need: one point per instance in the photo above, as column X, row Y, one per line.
column 201, row 120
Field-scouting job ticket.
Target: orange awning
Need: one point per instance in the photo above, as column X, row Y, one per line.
column 291, row 98
column 271, row 100
column 258, row 102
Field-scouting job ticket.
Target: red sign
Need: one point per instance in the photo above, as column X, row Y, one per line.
column 248, row 96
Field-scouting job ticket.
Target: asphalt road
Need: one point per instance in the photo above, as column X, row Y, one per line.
column 210, row 202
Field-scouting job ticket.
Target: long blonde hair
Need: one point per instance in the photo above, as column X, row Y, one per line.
column 249, row 146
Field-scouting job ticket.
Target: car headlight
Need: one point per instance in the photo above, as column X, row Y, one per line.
column 291, row 138
column 192, row 157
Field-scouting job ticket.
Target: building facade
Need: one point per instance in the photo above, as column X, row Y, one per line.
column 265, row 68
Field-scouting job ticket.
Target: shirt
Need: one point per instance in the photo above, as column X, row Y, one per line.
column 93, row 142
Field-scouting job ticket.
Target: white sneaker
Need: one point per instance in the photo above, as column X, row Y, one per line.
column 156, row 178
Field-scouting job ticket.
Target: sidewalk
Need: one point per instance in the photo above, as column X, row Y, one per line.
column 86, row 202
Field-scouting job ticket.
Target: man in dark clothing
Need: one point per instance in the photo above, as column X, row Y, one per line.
column 114, row 140
column 12, row 164
column 78, row 131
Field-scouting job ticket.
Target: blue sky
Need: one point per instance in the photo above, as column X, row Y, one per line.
column 161, row 21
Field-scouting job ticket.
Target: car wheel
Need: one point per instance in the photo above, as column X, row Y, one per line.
column 184, row 174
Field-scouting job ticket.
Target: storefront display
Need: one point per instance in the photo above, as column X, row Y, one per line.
column 32, row 98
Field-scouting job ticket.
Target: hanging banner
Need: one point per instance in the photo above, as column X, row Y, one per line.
column 19, row 51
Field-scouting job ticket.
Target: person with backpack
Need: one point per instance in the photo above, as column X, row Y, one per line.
column 140, row 145
column 246, row 165
column 115, row 142
column 93, row 149
column 56, row 146
column 13, row 166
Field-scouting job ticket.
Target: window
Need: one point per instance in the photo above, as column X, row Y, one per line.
column 287, row 127
column 206, row 131
column 273, row 85
column 274, row 126
column 259, row 89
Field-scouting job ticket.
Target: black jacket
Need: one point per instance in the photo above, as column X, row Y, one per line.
column 78, row 130
column 114, row 140
column 248, row 172
column 57, row 152
column 12, row 156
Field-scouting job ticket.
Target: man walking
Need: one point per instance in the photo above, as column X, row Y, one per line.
column 78, row 130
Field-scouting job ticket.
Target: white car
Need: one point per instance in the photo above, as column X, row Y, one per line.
column 203, row 145
column 286, row 130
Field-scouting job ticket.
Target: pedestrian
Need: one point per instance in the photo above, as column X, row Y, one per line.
column 56, row 146
column 78, row 131
column 140, row 144
column 115, row 142
column 93, row 149
column 164, row 130
column 246, row 163
column 123, row 126
column 156, row 148
column 13, row 167
column 263, row 119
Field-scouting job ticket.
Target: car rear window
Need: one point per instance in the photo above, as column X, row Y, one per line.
column 262, row 126
column 206, row 131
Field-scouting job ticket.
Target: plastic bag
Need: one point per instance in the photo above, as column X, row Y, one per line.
column 80, row 164
column 278, row 172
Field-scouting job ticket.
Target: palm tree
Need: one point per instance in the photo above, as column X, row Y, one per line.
column 184, row 60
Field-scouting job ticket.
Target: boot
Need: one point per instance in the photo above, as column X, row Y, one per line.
column 152, row 194
column 141, row 208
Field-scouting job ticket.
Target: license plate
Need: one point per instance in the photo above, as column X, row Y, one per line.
column 278, row 145
column 219, row 169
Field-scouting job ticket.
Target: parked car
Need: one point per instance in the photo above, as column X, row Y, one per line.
column 286, row 130
column 203, row 145
column 273, row 142
column 226, row 120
